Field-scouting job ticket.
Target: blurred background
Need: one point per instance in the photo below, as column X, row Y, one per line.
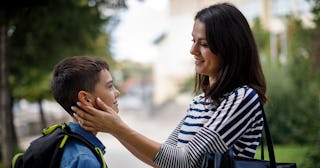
column 147, row 44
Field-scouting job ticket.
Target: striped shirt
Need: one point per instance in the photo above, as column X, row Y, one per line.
column 236, row 122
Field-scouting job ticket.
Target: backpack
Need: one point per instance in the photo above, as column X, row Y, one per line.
column 47, row 150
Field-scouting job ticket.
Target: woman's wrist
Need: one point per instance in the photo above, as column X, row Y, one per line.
column 121, row 131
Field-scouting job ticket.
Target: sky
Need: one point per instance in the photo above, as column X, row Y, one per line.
column 138, row 28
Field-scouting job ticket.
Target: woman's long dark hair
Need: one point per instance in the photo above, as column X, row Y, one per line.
column 230, row 38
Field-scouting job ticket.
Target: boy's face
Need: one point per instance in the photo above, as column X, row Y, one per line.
column 106, row 91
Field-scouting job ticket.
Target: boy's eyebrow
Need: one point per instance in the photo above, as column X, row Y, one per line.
column 110, row 82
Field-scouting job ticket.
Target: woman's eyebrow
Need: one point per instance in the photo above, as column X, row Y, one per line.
column 200, row 38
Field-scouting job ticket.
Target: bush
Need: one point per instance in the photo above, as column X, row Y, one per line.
column 313, row 156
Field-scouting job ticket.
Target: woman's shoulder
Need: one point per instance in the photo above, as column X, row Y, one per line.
column 242, row 90
column 199, row 96
column 242, row 93
column 199, row 99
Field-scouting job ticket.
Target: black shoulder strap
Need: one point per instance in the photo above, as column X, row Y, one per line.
column 268, row 138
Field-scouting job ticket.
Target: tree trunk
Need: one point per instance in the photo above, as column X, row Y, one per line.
column 315, row 53
column 42, row 116
column 8, row 141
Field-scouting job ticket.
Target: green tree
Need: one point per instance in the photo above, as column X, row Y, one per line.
column 312, row 159
column 58, row 29
column 262, row 38
column 292, row 86
column 293, row 90
column 34, row 37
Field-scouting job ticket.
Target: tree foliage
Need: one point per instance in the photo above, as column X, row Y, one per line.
column 44, row 34
column 292, row 90
column 39, row 34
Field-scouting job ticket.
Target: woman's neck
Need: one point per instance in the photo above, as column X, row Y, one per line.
column 212, row 80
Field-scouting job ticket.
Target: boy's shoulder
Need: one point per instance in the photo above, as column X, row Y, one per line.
column 76, row 153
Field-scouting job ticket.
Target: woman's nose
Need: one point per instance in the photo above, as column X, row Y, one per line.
column 194, row 49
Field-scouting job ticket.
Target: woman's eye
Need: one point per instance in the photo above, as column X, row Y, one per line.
column 204, row 45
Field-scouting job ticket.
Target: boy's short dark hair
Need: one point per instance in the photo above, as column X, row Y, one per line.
column 74, row 74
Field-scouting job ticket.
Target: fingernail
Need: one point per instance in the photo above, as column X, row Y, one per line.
column 78, row 103
column 99, row 99
column 73, row 108
column 75, row 114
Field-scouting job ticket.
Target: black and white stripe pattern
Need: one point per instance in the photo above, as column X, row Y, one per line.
column 237, row 122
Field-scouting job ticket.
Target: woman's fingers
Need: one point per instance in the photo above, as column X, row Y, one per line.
column 89, row 126
column 76, row 117
column 102, row 118
column 103, row 106
column 85, row 110
column 80, row 112
column 83, row 118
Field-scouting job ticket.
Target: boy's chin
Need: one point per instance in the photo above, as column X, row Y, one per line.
column 116, row 109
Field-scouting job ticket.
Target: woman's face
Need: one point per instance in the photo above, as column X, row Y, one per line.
column 206, row 62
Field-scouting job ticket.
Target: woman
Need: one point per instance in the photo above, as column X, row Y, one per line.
column 227, row 114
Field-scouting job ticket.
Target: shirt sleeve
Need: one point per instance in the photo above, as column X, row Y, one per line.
column 226, row 125
column 234, row 116
column 81, row 161
column 173, row 138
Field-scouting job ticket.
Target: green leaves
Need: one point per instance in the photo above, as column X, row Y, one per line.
column 43, row 34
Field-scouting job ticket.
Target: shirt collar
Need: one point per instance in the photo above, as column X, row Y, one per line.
column 76, row 128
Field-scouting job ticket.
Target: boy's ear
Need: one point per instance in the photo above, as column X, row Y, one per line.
column 85, row 98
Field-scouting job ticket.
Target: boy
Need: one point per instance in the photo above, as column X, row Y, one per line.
column 82, row 79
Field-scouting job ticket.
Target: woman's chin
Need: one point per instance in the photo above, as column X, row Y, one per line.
column 199, row 70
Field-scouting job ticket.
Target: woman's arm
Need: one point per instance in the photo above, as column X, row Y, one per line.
column 107, row 120
column 132, row 149
column 210, row 138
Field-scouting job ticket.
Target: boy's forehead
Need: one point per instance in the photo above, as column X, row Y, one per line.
column 105, row 75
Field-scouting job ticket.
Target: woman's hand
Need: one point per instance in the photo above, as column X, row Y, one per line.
column 95, row 120
column 107, row 120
